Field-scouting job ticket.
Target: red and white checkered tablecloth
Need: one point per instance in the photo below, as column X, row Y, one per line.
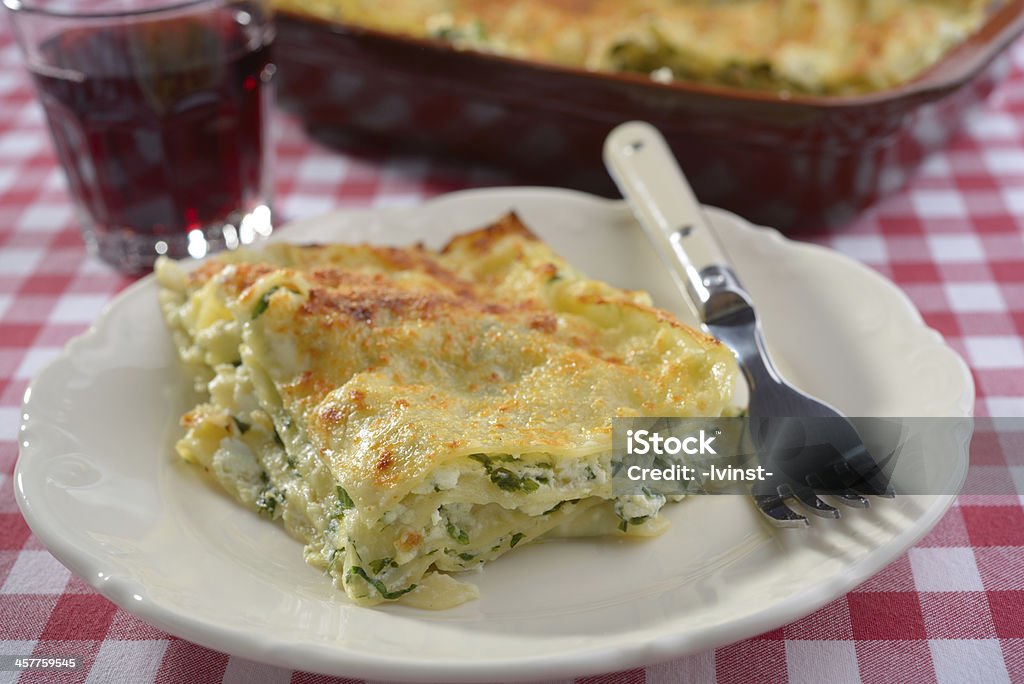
column 950, row 610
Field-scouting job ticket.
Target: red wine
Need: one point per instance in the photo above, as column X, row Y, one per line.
column 159, row 123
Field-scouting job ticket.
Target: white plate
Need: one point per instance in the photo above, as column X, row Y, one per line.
column 99, row 484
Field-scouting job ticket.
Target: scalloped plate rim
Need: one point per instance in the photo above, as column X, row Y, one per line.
column 259, row 646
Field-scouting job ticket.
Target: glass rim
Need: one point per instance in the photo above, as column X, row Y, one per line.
column 22, row 7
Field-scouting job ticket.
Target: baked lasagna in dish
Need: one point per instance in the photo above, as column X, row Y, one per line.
column 803, row 46
column 409, row 413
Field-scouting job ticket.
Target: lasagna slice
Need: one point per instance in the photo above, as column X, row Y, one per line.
column 409, row 413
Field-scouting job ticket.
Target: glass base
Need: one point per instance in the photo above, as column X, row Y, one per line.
column 134, row 252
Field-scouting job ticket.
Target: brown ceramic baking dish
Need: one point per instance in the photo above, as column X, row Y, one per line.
column 796, row 163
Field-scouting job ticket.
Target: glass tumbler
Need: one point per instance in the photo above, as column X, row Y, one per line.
column 159, row 113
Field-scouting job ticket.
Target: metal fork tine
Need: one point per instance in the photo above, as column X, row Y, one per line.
column 816, row 505
column 886, row 493
column 847, row 497
column 869, row 488
column 852, row 499
column 883, row 488
column 778, row 512
column 864, row 482
column 874, row 489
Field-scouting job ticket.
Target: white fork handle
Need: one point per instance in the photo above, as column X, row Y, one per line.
column 649, row 177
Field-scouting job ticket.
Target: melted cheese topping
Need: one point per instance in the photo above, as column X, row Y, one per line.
column 405, row 411
column 813, row 46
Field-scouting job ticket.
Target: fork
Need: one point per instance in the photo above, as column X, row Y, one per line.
column 806, row 446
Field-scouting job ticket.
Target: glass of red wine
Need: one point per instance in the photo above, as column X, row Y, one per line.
column 159, row 112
